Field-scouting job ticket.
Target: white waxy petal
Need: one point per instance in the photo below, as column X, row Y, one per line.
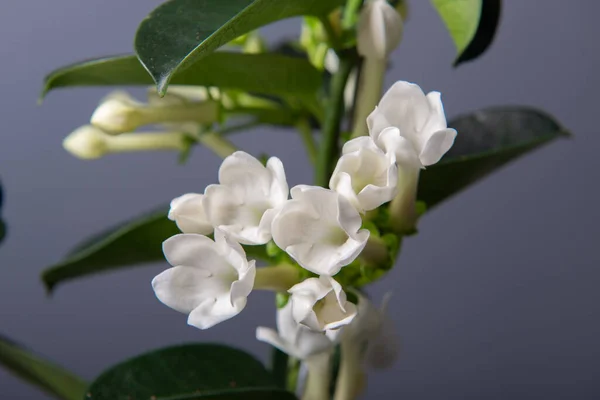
column 380, row 29
column 292, row 338
column 421, row 129
column 320, row 229
column 243, row 204
column 365, row 175
column 188, row 213
column 210, row 280
column 320, row 304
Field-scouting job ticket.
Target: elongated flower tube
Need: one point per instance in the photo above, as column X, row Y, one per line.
column 365, row 175
column 89, row 142
column 368, row 340
column 247, row 197
column 320, row 304
column 119, row 113
column 380, row 29
column 292, row 338
column 210, row 280
column 188, row 213
column 413, row 126
column 320, row 229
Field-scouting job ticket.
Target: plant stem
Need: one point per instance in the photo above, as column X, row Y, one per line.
column 319, row 376
column 332, row 35
column 278, row 278
column 350, row 377
column 217, row 144
column 329, row 146
column 307, row 137
column 350, row 16
column 370, row 87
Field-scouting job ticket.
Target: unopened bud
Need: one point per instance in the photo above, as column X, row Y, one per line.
column 87, row 142
column 380, row 29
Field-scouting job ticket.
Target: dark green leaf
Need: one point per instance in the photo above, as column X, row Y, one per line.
column 486, row 140
column 188, row 372
column 135, row 242
column 472, row 25
column 50, row 378
column 265, row 73
column 180, row 32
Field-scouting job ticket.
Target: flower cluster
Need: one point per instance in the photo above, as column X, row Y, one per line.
column 320, row 230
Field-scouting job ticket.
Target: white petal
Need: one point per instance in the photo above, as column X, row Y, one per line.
column 379, row 29
column 279, row 187
column 241, row 288
column 436, row 146
column 193, row 250
column 213, row 311
column 183, row 288
column 188, row 213
column 406, row 107
column 403, row 149
column 271, row 337
column 377, row 122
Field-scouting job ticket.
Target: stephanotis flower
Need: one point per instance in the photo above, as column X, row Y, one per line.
column 380, row 29
column 247, row 197
column 365, row 175
column 294, row 339
column 210, row 280
column 320, row 304
column 412, row 125
column 188, row 213
column 319, row 229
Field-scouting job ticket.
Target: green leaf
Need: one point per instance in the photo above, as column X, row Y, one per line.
column 265, row 73
column 179, row 33
column 472, row 25
column 50, row 378
column 134, row 242
column 188, row 372
column 487, row 140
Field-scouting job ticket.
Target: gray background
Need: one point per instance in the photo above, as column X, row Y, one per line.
column 496, row 298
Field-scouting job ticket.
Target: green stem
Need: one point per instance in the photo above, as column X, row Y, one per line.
column 350, row 376
column 217, row 144
column 350, row 16
column 319, row 376
column 334, row 40
column 329, row 147
column 278, row 278
column 308, row 139
column 370, row 87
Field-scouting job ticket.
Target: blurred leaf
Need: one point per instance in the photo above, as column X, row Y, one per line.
column 472, row 25
column 188, row 372
column 48, row 377
column 487, row 140
column 179, row 33
column 134, row 242
column 265, row 73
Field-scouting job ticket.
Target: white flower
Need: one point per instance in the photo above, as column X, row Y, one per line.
column 319, row 229
column 373, row 327
column 292, row 338
column 119, row 112
column 209, row 280
column 320, row 304
column 365, row 175
column 188, row 213
column 380, row 29
column 89, row 142
column 411, row 125
column 246, row 199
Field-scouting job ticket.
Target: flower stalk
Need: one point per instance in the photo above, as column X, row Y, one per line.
column 319, row 376
column 277, row 278
column 350, row 379
column 403, row 212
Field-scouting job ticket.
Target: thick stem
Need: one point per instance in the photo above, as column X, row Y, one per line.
column 129, row 142
column 350, row 16
column 308, row 139
column 319, row 376
column 375, row 252
column 278, row 278
column 217, row 144
column 403, row 213
column 329, row 147
column 203, row 113
column 350, row 378
column 370, row 87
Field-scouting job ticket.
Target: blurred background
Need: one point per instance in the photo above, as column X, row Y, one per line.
column 496, row 298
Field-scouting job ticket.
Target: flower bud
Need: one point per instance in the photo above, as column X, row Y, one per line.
column 380, row 29
column 87, row 142
column 117, row 113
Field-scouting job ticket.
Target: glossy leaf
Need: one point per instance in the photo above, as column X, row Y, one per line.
column 487, row 140
column 188, row 372
column 266, row 73
column 132, row 243
column 179, row 33
column 472, row 25
column 43, row 374
column 135, row 242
